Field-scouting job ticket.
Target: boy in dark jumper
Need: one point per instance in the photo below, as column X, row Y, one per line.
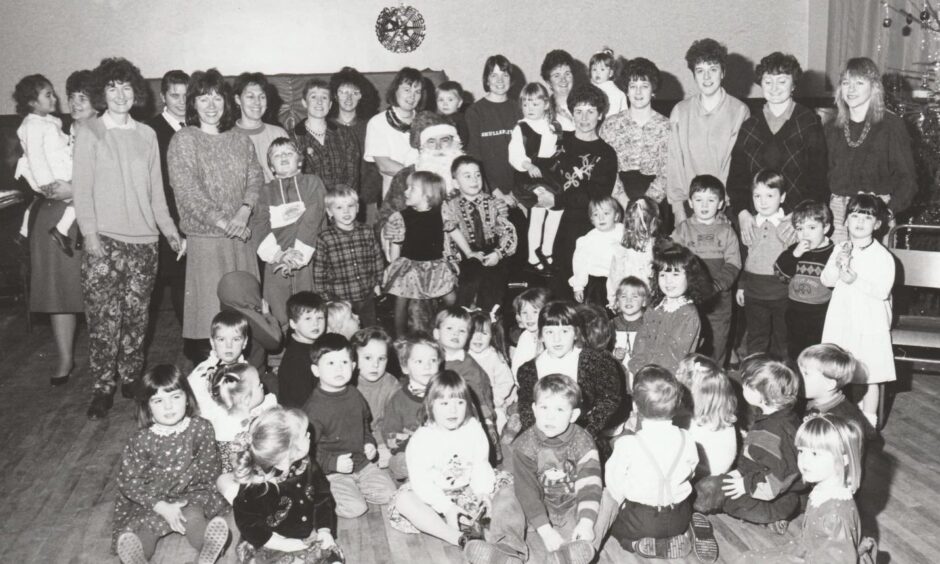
column 709, row 235
column 800, row 267
column 826, row 369
column 307, row 319
column 342, row 427
column 761, row 489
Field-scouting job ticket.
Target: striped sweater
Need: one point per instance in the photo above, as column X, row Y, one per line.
column 554, row 476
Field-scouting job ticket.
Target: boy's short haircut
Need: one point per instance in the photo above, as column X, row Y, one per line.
column 340, row 193
column 707, row 183
column 302, row 302
column 608, row 201
column 811, row 210
column 283, row 142
column 335, row 309
column 363, row 336
column 770, row 178
column 834, row 362
column 535, row 297
column 231, row 319
column 315, row 83
column 172, row 77
column 656, row 392
column 464, row 160
column 246, row 79
column 451, row 312
column 632, row 282
column 777, row 385
column 558, row 384
column 451, row 86
column 329, row 343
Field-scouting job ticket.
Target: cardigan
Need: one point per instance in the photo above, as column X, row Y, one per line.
column 601, row 390
column 798, row 151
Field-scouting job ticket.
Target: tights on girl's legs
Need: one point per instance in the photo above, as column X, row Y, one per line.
column 543, row 226
column 403, row 307
column 426, row 519
column 195, row 531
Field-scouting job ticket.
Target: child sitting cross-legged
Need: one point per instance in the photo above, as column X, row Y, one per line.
column 648, row 477
column 452, row 489
column 557, row 473
column 374, row 383
column 307, row 313
column 238, row 389
column 761, row 488
column 342, row 427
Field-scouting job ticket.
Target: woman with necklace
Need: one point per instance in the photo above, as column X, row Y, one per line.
column 869, row 147
column 329, row 151
column 640, row 136
column 251, row 98
column 785, row 136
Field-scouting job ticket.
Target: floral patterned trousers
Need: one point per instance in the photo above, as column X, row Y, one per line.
column 116, row 290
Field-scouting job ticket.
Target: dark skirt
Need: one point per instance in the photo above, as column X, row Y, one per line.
column 55, row 283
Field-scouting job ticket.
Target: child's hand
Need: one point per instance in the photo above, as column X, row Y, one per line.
column 734, row 486
column 370, row 451
column 265, row 306
column 385, row 456
column 620, row 353
column 326, row 538
column 491, row 259
column 550, row 537
column 452, row 516
column 579, row 296
column 739, row 297
column 848, row 275
column 801, row 248
column 583, row 531
column 533, row 171
column 377, row 290
column 172, row 513
column 344, row 463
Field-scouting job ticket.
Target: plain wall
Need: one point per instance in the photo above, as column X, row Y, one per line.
column 55, row 37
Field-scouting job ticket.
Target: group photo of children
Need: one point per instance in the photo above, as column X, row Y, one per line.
column 545, row 326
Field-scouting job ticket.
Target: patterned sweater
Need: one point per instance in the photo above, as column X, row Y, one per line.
column 666, row 337
column 716, row 244
column 553, row 476
column 767, row 460
column 802, row 274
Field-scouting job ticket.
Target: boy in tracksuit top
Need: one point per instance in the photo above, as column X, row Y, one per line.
column 709, row 235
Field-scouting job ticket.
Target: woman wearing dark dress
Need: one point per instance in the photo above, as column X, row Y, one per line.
column 55, row 279
column 784, row 136
column 869, row 147
column 584, row 169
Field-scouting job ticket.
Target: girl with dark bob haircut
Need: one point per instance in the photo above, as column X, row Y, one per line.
column 554, row 59
column 162, row 377
column 590, row 95
column 209, row 82
column 27, row 91
column 706, row 51
column 406, row 75
column 496, row 62
column 778, row 63
column 639, row 69
column 676, row 257
column 118, row 69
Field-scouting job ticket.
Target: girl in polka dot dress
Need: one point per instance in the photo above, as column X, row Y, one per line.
column 166, row 483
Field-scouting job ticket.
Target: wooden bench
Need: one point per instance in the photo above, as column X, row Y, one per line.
column 918, row 269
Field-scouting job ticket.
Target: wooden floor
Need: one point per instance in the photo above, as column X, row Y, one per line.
column 57, row 472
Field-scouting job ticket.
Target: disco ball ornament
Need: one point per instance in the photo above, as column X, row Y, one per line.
column 400, row 29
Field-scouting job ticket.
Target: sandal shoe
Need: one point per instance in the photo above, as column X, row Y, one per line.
column 63, row 241
column 703, row 538
column 214, row 540
column 130, row 550
column 780, row 527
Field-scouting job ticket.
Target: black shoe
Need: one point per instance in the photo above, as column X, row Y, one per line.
column 60, row 380
column 63, row 241
column 128, row 389
column 100, row 404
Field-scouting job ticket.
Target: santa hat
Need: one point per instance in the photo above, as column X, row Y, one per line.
column 428, row 120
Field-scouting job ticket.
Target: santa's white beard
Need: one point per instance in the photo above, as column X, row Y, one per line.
column 439, row 162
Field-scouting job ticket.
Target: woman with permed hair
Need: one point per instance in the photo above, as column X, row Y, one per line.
column 558, row 72
column 216, row 178
column 784, row 136
column 869, row 147
column 121, row 209
column 355, row 101
column 640, row 136
column 704, row 126
column 251, row 99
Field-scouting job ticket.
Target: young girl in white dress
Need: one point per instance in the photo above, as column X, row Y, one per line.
column 861, row 273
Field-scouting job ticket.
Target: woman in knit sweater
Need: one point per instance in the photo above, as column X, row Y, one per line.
column 869, row 147
column 565, row 352
column 251, row 98
column 785, row 136
column 121, row 209
column 216, row 177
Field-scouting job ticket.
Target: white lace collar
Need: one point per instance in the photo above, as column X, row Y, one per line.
column 165, row 431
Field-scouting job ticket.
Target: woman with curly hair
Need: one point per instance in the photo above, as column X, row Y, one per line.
column 672, row 326
column 558, row 71
column 216, row 178
column 583, row 169
column 785, row 136
column 869, row 147
column 355, row 101
column 121, row 210
column 704, row 127
column 251, row 98
column 639, row 135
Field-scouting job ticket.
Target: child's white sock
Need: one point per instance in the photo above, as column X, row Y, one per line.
column 24, row 227
column 66, row 221
column 872, row 418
